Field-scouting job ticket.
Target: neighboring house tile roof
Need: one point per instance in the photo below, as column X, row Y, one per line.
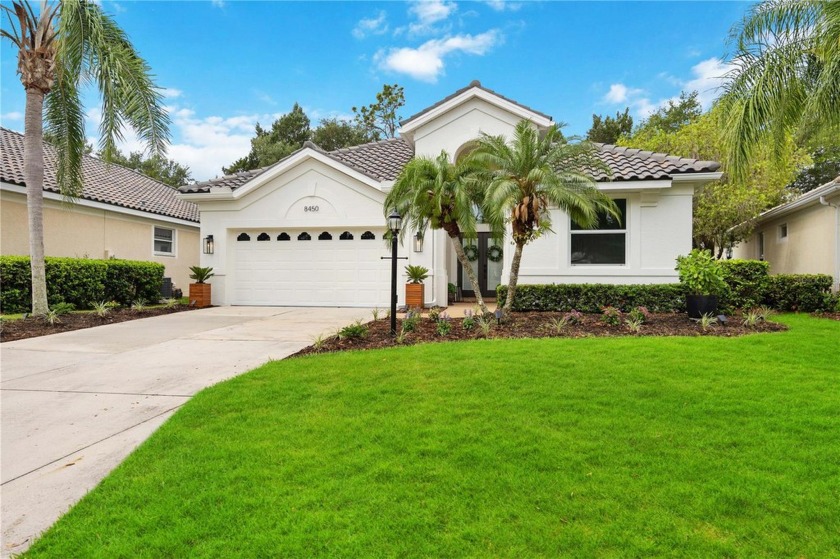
column 472, row 84
column 106, row 183
column 384, row 160
column 810, row 198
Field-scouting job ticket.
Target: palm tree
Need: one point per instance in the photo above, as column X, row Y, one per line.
column 440, row 194
column 527, row 175
column 786, row 76
column 60, row 49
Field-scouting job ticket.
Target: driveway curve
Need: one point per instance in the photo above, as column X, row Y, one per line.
column 74, row 405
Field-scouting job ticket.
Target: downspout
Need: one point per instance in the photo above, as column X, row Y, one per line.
column 836, row 207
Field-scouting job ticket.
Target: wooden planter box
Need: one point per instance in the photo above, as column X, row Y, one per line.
column 414, row 295
column 200, row 293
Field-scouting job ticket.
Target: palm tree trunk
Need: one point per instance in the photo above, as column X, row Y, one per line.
column 465, row 264
column 514, row 279
column 33, row 176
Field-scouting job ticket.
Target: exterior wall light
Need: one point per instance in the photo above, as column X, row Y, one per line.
column 418, row 242
column 208, row 244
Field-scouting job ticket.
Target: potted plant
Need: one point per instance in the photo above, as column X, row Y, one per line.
column 200, row 290
column 452, row 291
column 702, row 277
column 414, row 289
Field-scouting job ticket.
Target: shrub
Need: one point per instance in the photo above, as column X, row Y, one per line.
column 611, row 316
column 79, row 281
column 444, row 325
column 63, row 308
column 469, row 320
column 201, row 274
column 591, row 297
column 746, row 284
column 355, row 330
column 799, row 292
column 573, row 317
column 700, row 273
column 416, row 274
column 412, row 318
column 434, row 313
column 640, row 314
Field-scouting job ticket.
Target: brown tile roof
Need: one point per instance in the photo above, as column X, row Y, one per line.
column 472, row 84
column 109, row 184
column 384, row 160
column 629, row 164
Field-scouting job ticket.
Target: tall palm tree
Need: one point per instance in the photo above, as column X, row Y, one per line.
column 786, row 76
column 529, row 174
column 61, row 48
column 440, row 194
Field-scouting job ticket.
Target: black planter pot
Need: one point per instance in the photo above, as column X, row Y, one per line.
column 698, row 305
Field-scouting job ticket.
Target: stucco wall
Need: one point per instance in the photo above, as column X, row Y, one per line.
column 78, row 231
column 810, row 246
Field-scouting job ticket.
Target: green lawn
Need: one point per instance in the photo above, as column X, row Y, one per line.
column 622, row 447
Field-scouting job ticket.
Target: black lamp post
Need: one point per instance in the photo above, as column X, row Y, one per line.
column 394, row 224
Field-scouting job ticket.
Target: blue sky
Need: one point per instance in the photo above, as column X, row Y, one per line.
column 224, row 65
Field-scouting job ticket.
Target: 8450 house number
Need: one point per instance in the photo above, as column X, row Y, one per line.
column 311, row 208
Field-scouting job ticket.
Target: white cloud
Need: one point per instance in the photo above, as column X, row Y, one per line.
column 218, row 3
column 708, row 78
column 371, row 26
column 502, row 5
column 426, row 62
column 620, row 93
column 171, row 93
column 12, row 115
column 428, row 12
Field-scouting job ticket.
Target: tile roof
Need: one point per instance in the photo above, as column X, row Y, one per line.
column 472, row 84
column 109, row 184
column 630, row 164
column 384, row 160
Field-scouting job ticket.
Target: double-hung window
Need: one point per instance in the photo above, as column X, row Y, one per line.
column 164, row 241
column 606, row 243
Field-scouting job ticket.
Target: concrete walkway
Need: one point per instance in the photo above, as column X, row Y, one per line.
column 74, row 405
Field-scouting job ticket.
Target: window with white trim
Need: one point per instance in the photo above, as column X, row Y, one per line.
column 606, row 243
column 164, row 241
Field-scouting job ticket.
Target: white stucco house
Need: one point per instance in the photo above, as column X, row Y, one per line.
column 308, row 230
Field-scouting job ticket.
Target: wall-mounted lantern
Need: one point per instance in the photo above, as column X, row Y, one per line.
column 208, row 244
column 418, row 242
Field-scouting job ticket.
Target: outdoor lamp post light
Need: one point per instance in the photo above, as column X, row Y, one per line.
column 208, row 244
column 418, row 242
column 394, row 224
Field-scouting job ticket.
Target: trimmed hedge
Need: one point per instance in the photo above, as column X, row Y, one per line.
column 79, row 281
column 590, row 297
column 799, row 292
column 746, row 281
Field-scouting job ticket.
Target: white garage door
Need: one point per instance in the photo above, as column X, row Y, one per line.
column 296, row 267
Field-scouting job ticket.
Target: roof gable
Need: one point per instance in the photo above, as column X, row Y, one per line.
column 107, row 183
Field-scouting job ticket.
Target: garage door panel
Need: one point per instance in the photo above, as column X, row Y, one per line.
column 312, row 273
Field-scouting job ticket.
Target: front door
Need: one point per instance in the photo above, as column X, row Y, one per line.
column 485, row 256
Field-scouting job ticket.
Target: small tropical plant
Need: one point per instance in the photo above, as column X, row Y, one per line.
column 573, row 317
column 170, row 303
column 101, row 308
column 63, row 308
column 401, row 337
column 357, row 330
column 485, row 325
column 752, row 318
column 318, row 342
column 434, row 313
column 377, row 312
column 138, row 305
column 200, row 274
column 51, row 317
column 700, row 273
column 444, row 324
column 610, row 315
column 411, row 320
column 766, row 312
column 416, row 274
column 557, row 325
column 469, row 320
column 634, row 324
column 707, row 321
column 640, row 313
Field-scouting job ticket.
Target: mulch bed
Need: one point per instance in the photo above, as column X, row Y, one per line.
column 32, row 327
column 831, row 315
column 537, row 325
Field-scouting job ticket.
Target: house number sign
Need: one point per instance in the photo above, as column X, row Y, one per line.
column 310, row 208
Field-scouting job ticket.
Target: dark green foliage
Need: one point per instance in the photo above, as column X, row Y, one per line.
column 591, row 297
column 156, row 166
column 63, row 308
column 746, row 282
column 79, row 281
column 353, row 331
column 675, row 115
column 334, row 134
column 608, row 130
column 799, row 292
column 379, row 120
column 825, row 167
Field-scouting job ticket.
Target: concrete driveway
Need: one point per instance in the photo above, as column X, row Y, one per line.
column 74, row 405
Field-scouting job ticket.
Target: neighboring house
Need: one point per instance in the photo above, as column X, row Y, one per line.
column 799, row 237
column 120, row 214
column 309, row 229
